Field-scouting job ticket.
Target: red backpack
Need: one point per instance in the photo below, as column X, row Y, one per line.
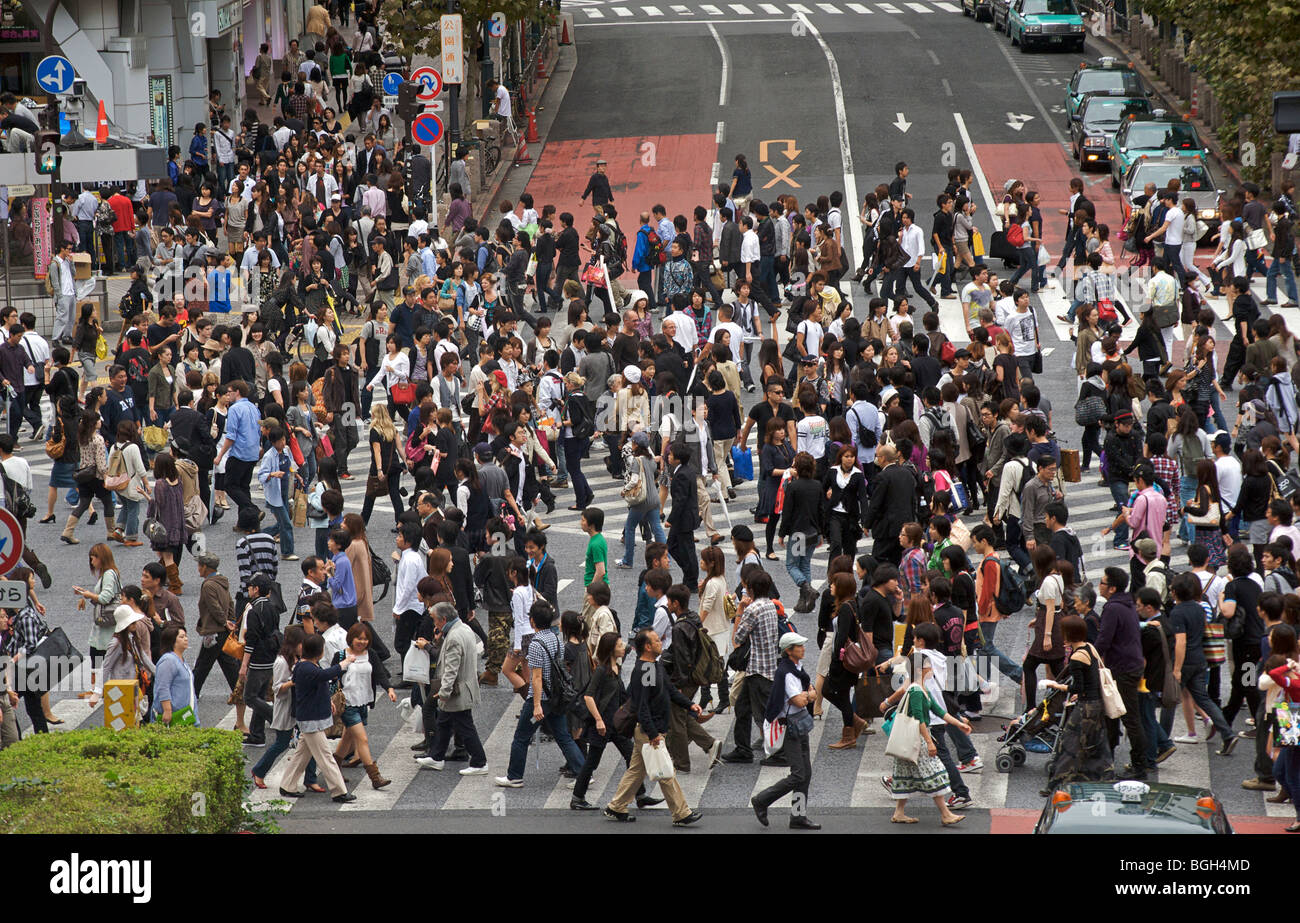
column 1016, row 235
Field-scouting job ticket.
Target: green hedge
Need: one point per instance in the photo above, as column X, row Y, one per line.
column 151, row 780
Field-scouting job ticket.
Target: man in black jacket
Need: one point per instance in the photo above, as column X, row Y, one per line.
column 1123, row 452
column 1063, row 541
column 261, row 645
column 684, row 517
column 652, row 695
column 194, row 440
column 893, row 504
column 680, row 663
column 237, row 362
column 670, row 361
column 598, row 188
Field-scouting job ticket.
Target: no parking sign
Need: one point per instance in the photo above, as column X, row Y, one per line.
column 427, row 129
column 11, row 542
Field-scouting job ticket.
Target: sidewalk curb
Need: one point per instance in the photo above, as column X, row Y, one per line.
column 1173, row 103
column 547, row 107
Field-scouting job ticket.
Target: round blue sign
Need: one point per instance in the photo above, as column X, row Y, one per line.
column 392, row 83
column 427, row 129
column 54, row 74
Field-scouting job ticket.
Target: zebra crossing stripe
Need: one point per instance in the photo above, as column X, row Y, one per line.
column 859, row 9
column 594, row 14
column 397, row 766
column 920, row 8
column 830, row 8
column 948, row 7
column 741, row 9
column 771, row 9
column 622, row 11
column 652, row 11
column 889, row 8
column 682, row 10
column 710, row 10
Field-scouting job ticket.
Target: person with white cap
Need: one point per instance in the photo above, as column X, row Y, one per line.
column 127, row 657
column 787, row 704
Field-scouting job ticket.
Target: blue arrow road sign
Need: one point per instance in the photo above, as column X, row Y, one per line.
column 55, row 74
column 392, row 83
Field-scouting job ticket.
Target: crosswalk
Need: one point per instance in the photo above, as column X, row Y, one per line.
column 602, row 12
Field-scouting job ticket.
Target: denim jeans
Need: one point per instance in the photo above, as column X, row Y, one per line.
column 1028, row 264
column 273, row 751
column 1286, row 770
column 1158, row 740
column 573, row 452
column 767, row 276
column 1194, row 683
column 939, row 733
column 1186, row 494
column 799, row 566
column 1006, row 665
column 129, row 521
column 1016, row 542
column 557, row 724
column 1119, row 493
column 633, row 521
column 283, row 527
column 1282, row 267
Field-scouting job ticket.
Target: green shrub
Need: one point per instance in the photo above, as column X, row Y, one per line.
column 150, row 780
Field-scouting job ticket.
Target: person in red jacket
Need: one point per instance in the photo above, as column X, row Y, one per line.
column 1283, row 670
column 123, row 254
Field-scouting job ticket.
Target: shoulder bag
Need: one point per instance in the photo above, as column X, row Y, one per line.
column 905, row 739
column 859, row 654
column 1172, row 690
column 1110, row 697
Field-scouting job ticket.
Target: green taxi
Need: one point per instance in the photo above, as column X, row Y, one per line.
column 1155, row 134
column 1096, row 120
column 1045, row 23
column 1106, row 76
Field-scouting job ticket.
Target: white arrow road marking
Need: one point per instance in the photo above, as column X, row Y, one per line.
column 901, row 123
column 1016, row 121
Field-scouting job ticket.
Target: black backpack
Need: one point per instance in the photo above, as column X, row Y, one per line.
column 583, row 420
column 561, row 690
column 1011, row 596
column 866, row 435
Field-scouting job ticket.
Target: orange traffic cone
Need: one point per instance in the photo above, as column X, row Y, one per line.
column 564, row 30
column 541, row 63
column 532, row 127
column 101, row 126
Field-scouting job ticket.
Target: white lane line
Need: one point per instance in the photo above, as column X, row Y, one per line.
column 934, row 58
column 830, row 8
column 947, row 87
column 989, row 205
column 694, row 782
column 951, row 319
column 741, row 9
column 396, row 764
column 770, row 9
column 713, row 174
column 652, row 11
column 721, row 132
column 561, row 585
column 722, row 50
column 919, row 8
column 859, row 9
column 851, row 230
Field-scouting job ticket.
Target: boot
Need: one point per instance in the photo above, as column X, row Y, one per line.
column 489, row 678
column 114, row 533
column 848, row 740
column 376, row 780
column 807, row 598
column 859, row 725
column 68, row 528
column 174, row 579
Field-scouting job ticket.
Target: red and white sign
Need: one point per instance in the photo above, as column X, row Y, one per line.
column 11, row 542
column 430, row 81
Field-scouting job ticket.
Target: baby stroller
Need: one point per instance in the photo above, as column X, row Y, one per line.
column 1042, row 722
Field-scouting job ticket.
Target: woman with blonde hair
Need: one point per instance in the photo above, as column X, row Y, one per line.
column 385, row 466
column 103, row 598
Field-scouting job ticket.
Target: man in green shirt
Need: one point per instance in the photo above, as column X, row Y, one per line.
column 596, row 560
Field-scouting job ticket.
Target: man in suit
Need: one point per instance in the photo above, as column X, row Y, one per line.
column 456, row 681
column 685, row 515
column 1072, row 233
column 893, row 504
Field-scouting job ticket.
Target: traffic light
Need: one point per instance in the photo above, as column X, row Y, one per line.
column 408, row 106
column 48, row 157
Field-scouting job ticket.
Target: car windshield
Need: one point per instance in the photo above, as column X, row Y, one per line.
column 1191, row 177
column 1103, row 81
column 1112, row 110
column 1162, row 135
column 1050, row 8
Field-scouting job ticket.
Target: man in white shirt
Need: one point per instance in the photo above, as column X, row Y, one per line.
column 407, row 609
column 749, row 248
column 500, row 99
column 248, row 264
column 247, row 184
column 725, row 322
column 282, row 133
column 322, row 186
column 834, row 217
column 38, row 351
column 912, row 241
column 223, row 143
column 1170, row 233
column 863, row 418
column 1228, row 469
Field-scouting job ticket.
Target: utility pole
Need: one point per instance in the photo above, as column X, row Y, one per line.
column 453, row 106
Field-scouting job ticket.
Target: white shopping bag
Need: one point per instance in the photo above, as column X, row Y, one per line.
column 415, row 665
column 658, row 764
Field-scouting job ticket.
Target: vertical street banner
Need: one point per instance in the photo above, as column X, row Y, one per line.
column 42, row 246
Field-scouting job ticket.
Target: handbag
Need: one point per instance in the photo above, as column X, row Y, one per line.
column 773, row 736
column 402, row 393
column 415, row 665
column 376, row 485
column 1110, row 697
column 1089, row 410
column 1286, row 725
column 658, row 764
column 719, row 281
column 338, row 702
column 1210, row 518
column 324, row 447
column 232, row 646
column 905, row 732
column 295, row 450
column 623, row 722
column 742, row 462
column 635, row 492
column 859, row 654
column 299, row 508
column 872, row 691
column 54, row 447
column 186, row 717
column 51, row 661
column 86, row 475
column 976, row 242
column 1172, row 690
column 1257, row 239
column 156, row 532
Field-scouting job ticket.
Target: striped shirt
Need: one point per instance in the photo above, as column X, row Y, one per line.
column 257, row 554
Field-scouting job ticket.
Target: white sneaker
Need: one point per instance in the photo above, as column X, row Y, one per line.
column 474, row 770
column 505, row 782
column 974, row 765
column 428, row 762
column 714, row 752
column 1187, row 739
